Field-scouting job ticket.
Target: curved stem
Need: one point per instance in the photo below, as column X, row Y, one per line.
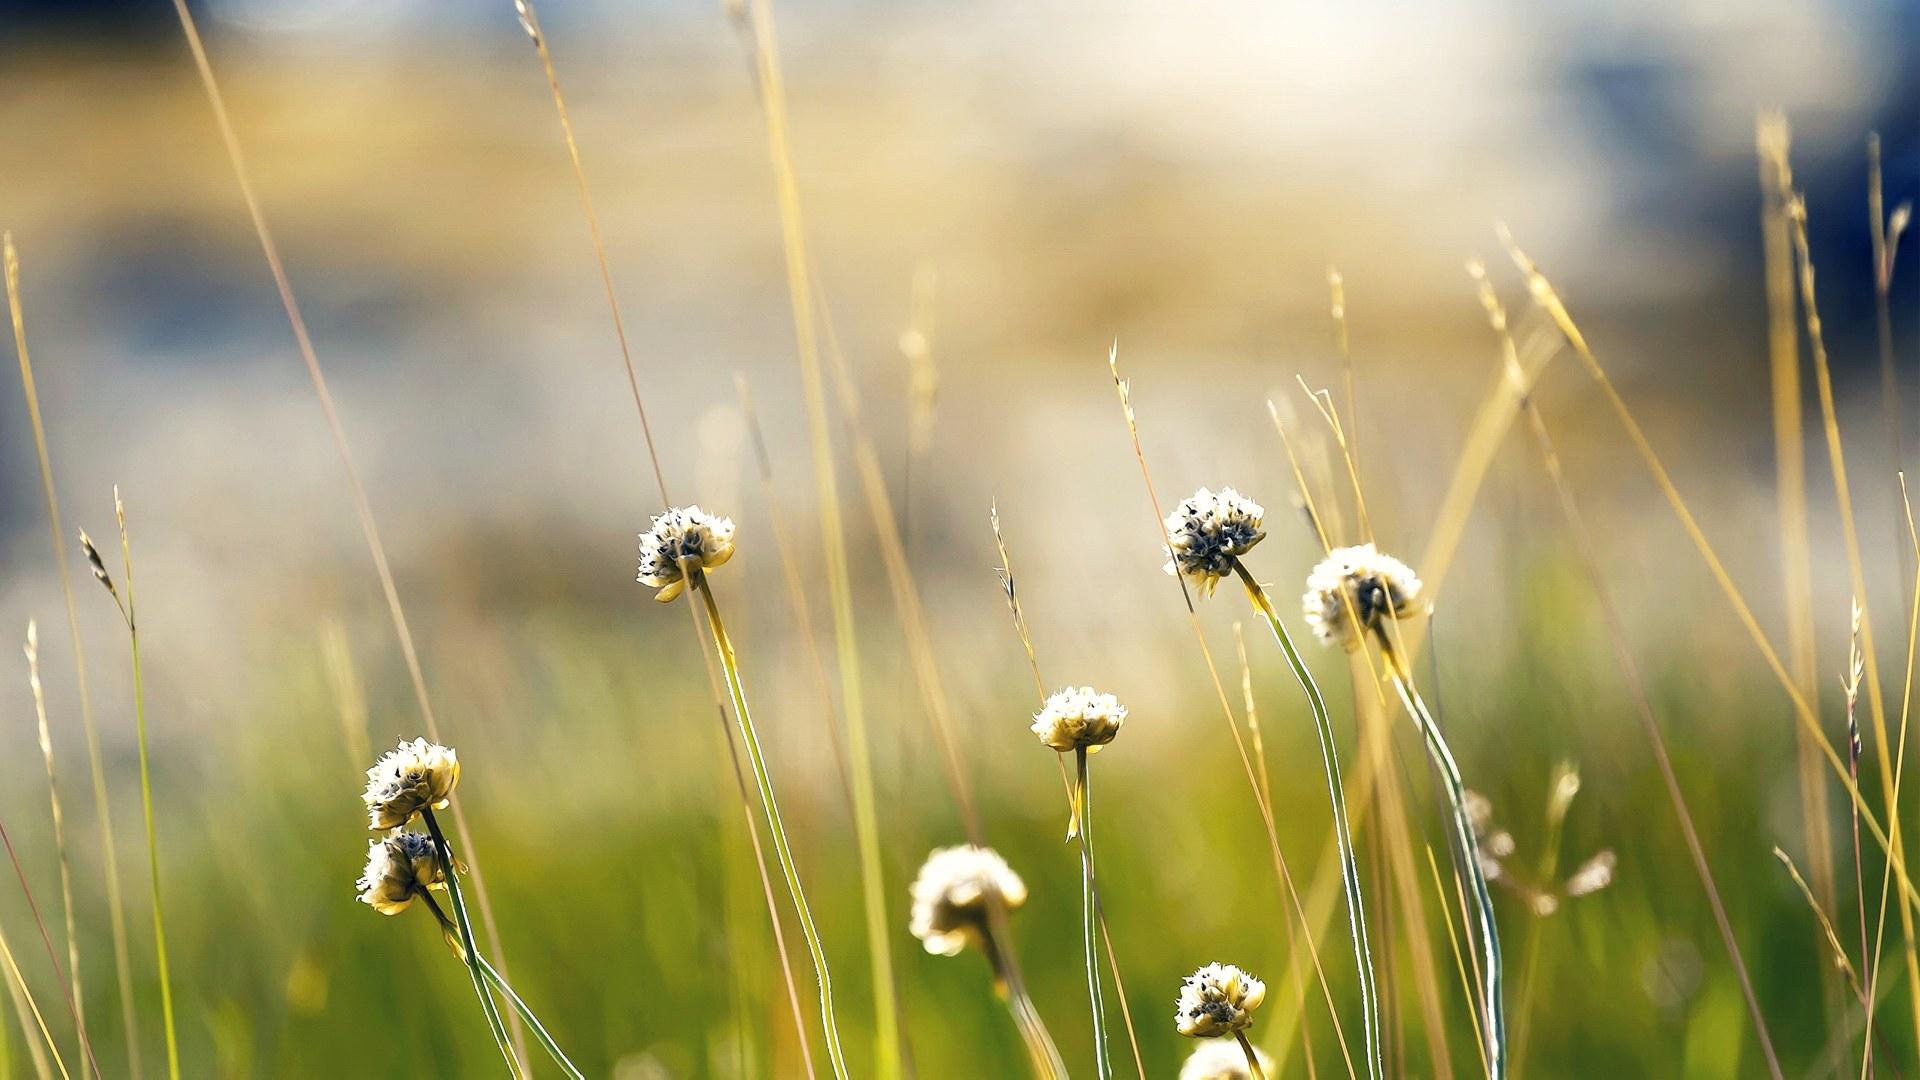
column 471, row 954
column 539, row 1029
column 1494, row 1012
column 771, row 806
column 1342, row 831
column 1103, row 1069
column 1253, row 1059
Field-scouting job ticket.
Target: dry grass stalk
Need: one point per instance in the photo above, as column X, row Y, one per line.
column 1856, row 565
column 26, row 1006
column 833, row 537
column 32, row 651
column 1545, row 296
column 363, row 507
column 102, row 804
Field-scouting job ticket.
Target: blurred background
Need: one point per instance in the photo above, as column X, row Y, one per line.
column 1020, row 186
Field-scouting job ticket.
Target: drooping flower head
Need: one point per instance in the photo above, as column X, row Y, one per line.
column 400, row 868
column 1357, row 583
column 1222, row 1060
column 682, row 538
column 1079, row 718
column 1208, row 531
column 409, row 778
column 951, row 895
column 1218, row 999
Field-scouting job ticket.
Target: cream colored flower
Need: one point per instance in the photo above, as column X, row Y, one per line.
column 678, row 537
column 1208, row 531
column 951, row 894
column 408, row 779
column 1223, row 1060
column 1376, row 585
column 400, row 868
column 1219, row 999
column 1079, row 717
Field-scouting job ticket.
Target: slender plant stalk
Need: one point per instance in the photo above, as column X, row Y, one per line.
column 1790, row 471
column 1850, row 685
column 1900, row 758
column 53, row 958
column 32, row 651
column 833, row 537
column 1495, row 1012
column 1575, row 522
column 533, row 1022
column 770, row 805
column 530, row 21
column 1369, row 1004
column 1295, row 956
column 1083, row 818
column 125, row 605
column 22, row 994
column 1253, row 1059
column 1545, row 296
column 1459, row 960
column 363, row 506
column 1343, row 834
column 469, row 952
column 1856, row 567
column 102, row 804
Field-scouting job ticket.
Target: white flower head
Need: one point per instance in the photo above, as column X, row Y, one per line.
column 1079, row 717
column 412, row 777
column 1223, row 1060
column 951, row 894
column 1357, row 583
column 1208, row 531
column 400, row 868
column 683, row 538
column 1218, row 999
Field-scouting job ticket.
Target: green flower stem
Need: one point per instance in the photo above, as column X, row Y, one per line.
column 471, row 953
column 1342, row 832
column 771, row 806
column 1253, row 1059
column 539, row 1029
column 1088, row 918
column 1493, row 1005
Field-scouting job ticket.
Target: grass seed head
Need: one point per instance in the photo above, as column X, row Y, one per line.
column 410, row 778
column 680, row 540
column 951, row 894
column 400, row 868
column 1357, row 584
column 1078, row 718
column 1218, row 999
column 1208, row 531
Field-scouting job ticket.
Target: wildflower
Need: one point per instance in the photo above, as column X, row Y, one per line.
column 400, row 868
column 1218, row 999
column 1208, row 531
column 414, row 776
column 682, row 539
column 951, row 895
column 1079, row 718
column 1357, row 583
column 1223, row 1061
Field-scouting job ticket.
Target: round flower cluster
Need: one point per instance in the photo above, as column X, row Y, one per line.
column 1079, row 718
column 951, row 894
column 1353, row 589
column 401, row 867
column 1218, row 999
column 683, row 538
column 1208, row 531
column 412, row 777
column 1223, row 1061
